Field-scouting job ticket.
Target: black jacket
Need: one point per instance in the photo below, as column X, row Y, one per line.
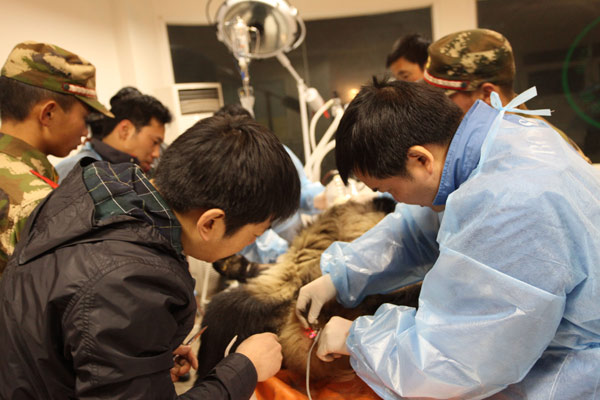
column 94, row 309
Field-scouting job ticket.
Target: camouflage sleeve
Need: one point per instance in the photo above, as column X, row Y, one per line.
column 4, row 205
column 12, row 221
column 7, row 249
column 21, row 189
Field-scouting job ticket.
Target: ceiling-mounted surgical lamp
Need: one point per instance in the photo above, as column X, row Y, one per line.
column 264, row 29
column 271, row 27
column 257, row 29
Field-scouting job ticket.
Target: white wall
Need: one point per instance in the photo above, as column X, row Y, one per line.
column 83, row 27
column 447, row 15
column 127, row 40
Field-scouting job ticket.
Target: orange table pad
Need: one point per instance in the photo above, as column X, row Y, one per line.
column 289, row 386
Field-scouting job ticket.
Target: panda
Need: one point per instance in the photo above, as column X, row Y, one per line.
column 265, row 299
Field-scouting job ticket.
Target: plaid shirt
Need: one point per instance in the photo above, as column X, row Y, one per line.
column 123, row 189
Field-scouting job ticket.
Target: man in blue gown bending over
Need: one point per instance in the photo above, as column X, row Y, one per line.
column 500, row 217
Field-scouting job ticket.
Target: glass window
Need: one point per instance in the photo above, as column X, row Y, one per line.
column 337, row 56
column 557, row 49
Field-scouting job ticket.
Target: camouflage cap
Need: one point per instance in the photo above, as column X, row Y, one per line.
column 53, row 68
column 464, row 60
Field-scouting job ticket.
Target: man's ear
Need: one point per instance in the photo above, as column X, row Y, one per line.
column 211, row 224
column 486, row 91
column 420, row 158
column 46, row 112
column 125, row 129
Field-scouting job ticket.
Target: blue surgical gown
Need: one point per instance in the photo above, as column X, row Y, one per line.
column 510, row 302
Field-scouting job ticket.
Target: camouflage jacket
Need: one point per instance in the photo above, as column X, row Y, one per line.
column 20, row 189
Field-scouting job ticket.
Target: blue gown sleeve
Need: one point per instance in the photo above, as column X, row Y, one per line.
column 308, row 192
column 266, row 248
column 488, row 308
column 66, row 165
column 396, row 252
column 308, row 188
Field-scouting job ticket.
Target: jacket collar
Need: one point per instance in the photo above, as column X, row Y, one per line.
column 111, row 154
column 465, row 149
column 123, row 190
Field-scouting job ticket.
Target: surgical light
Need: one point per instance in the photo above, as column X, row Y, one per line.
column 256, row 29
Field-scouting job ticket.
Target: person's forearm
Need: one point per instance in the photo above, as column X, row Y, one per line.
column 465, row 341
column 398, row 251
column 233, row 378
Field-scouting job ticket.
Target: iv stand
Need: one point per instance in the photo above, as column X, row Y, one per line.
column 302, row 99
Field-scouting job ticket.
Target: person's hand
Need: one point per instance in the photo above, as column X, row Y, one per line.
column 320, row 201
column 264, row 350
column 182, row 362
column 312, row 297
column 332, row 340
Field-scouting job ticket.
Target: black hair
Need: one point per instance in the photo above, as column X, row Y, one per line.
column 17, row 99
column 125, row 91
column 231, row 163
column 385, row 119
column 412, row 47
column 233, row 109
column 130, row 104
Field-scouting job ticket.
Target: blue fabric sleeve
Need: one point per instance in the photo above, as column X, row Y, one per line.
column 65, row 166
column 307, row 195
column 266, row 248
column 308, row 189
column 396, row 252
column 462, row 342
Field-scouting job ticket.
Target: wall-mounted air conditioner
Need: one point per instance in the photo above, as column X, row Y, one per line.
column 193, row 102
